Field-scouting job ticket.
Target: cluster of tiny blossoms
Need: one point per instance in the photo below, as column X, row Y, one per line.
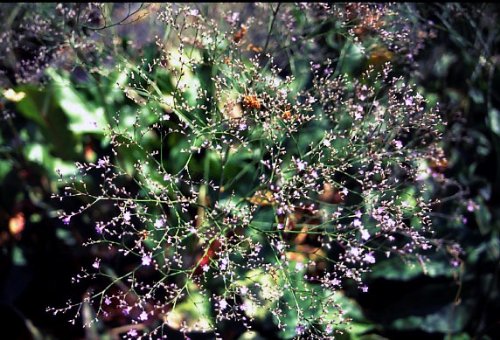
column 38, row 36
column 246, row 195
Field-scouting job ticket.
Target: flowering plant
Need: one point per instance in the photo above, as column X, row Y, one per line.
column 242, row 188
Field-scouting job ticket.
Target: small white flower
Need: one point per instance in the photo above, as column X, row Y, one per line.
column 96, row 263
column 365, row 235
column 224, row 263
column 101, row 163
column 159, row 223
column 355, row 251
column 143, row 316
column 301, row 165
column 368, row 258
column 126, row 216
column 311, row 100
column 223, row 304
column 146, row 260
column 193, row 12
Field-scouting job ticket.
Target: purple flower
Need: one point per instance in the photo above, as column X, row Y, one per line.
column 126, row 216
column 159, row 223
column 471, row 206
column 99, row 228
column 101, row 163
column 224, row 262
column 96, row 263
column 301, row 165
column 365, row 235
column 146, row 260
column 143, row 316
column 355, row 251
column 223, row 304
column 299, row 329
column 369, row 258
column 233, row 18
column 244, row 290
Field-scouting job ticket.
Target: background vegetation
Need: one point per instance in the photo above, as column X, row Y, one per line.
column 51, row 96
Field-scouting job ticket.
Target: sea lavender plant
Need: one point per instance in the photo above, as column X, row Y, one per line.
column 245, row 192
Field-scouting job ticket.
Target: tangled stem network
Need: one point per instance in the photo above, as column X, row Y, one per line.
column 236, row 190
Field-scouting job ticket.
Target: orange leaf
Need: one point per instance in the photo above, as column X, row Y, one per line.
column 16, row 224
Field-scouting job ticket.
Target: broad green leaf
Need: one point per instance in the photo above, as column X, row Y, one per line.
column 448, row 319
column 395, row 269
column 31, row 106
column 40, row 107
column 84, row 116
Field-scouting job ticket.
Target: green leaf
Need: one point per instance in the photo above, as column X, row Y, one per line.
column 302, row 73
column 483, row 216
column 39, row 153
column 5, row 167
column 449, row 318
column 494, row 121
column 195, row 311
column 40, row 107
column 84, row 116
column 18, row 257
column 30, row 106
column 395, row 269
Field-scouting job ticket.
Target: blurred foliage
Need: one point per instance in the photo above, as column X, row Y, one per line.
column 459, row 68
column 59, row 123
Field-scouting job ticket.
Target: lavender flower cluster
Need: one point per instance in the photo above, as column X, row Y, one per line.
column 251, row 195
